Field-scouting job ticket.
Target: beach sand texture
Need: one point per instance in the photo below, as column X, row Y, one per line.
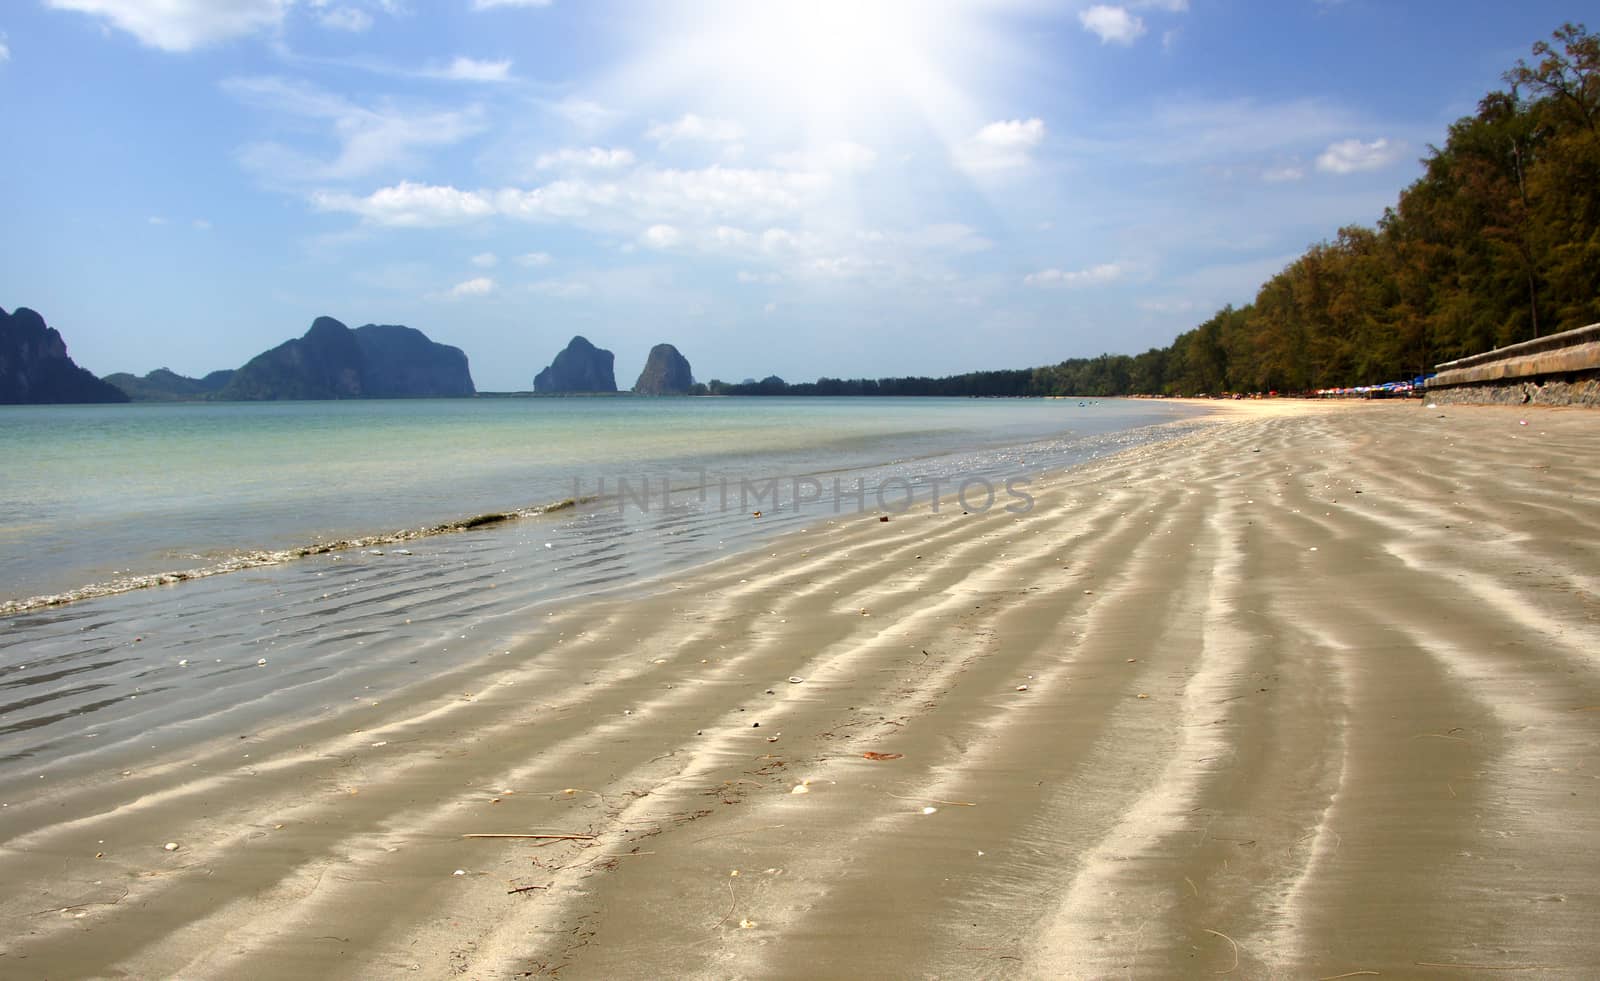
column 1311, row 692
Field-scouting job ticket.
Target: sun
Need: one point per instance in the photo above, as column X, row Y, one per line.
column 823, row 69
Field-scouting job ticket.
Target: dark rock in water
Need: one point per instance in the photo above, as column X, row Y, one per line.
column 666, row 372
column 401, row 362
column 334, row 362
column 581, row 367
column 166, row 385
column 35, row 368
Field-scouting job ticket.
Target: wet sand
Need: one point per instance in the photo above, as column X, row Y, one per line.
column 1312, row 692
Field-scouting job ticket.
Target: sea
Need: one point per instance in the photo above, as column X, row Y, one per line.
column 173, row 571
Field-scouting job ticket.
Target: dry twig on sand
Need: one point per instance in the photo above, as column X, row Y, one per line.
column 1352, row 974
column 543, row 837
column 733, row 901
column 1231, row 942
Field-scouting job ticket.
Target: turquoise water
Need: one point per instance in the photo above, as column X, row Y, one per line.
column 96, row 492
column 92, row 493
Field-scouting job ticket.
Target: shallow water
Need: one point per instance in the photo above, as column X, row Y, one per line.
column 107, row 681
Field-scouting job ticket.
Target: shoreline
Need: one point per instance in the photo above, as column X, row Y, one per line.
column 1281, row 695
column 181, row 555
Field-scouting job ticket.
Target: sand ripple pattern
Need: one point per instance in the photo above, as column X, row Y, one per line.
column 1306, row 693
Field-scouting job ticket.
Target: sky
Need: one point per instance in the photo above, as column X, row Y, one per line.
column 830, row 187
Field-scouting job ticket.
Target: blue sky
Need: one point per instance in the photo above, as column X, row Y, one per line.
column 832, row 187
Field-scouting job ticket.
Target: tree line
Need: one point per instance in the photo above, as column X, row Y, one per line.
column 1497, row 242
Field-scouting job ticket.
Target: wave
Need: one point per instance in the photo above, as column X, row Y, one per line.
column 267, row 557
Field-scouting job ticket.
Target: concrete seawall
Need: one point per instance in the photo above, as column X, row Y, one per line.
column 1561, row 369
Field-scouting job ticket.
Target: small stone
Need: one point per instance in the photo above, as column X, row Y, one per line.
column 755, row 725
column 771, row 692
column 1022, row 688
column 171, row 846
column 261, row 662
column 459, row 872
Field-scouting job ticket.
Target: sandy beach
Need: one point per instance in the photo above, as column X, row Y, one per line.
column 1313, row 691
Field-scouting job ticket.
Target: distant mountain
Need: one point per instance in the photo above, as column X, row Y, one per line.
column 580, row 367
column 35, row 368
column 166, row 385
column 666, row 372
column 331, row 361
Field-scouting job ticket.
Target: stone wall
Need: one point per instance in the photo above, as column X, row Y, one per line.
column 1561, row 369
column 1577, row 390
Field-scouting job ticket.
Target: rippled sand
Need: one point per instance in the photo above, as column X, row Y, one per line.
column 1312, row 692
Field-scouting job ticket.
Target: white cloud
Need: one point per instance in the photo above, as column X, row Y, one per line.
column 1093, row 276
column 1352, row 156
column 949, row 237
column 200, row 225
column 565, row 289
column 694, row 129
column 1002, row 145
column 350, row 19
column 408, row 205
column 840, row 157
column 531, row 259
column 492, row 4
column 156, row 220
column 591, row 158
column 661, row 236
column 370, row 139
column 477, row 286
column 770, row 308
column 463, row 69
column 733, row 238
column 703, row 196
column 745, row 276
column 485, row 260
column 1280, row 175
column 1113, row 25
column 5, row 49
column 183, row 25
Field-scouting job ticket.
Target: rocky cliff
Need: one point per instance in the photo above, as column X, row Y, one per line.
column 580, row 367
column 166, row 385
column 331, row 361
column 666, row 372
column 35, row 368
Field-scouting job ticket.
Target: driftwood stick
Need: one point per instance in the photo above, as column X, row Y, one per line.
column 542, row 837
column 1231, row 943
